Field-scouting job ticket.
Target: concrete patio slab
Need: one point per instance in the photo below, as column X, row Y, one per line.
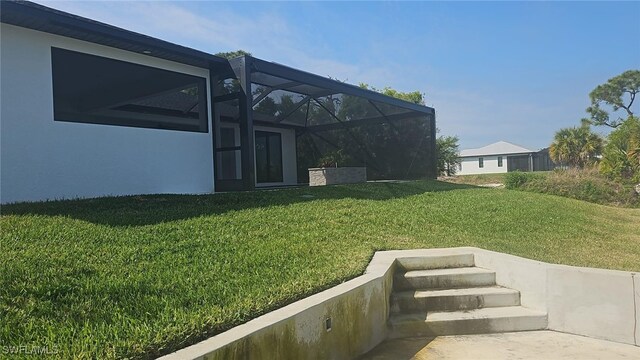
column 516, row 345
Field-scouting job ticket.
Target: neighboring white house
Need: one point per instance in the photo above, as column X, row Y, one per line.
column 89, row 109
column 499, row 157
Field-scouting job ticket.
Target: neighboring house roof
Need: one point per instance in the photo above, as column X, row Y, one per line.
column 498, row 148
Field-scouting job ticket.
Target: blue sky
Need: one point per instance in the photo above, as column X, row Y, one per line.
column 513, row 71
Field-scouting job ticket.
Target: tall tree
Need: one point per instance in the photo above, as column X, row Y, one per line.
column 447, row 149
column 233, row 54
column 618, row 93
column 415, row 97
column 576, row 146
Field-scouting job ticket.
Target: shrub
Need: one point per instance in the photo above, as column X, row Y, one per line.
column 586, row 184
column 621, row 157
column 517, row 179
column 334, row 159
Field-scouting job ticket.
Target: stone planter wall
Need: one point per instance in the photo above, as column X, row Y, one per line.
column 337, row 175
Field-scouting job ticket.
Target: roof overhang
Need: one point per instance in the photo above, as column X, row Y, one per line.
column 37, row 17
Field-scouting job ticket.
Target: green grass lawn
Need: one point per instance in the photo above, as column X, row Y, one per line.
column 146, row 275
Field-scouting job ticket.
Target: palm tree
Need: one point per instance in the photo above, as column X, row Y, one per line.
column 591, row 146
column 576, row 147
column 560, row 149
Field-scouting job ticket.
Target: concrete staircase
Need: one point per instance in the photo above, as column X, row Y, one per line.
column 449, row 295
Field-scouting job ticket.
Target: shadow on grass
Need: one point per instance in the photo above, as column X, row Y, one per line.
column 154, row 209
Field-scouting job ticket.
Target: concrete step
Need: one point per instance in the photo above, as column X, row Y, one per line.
column 435, row 262
column 479, row 321
column 444, row 278
column 453, row 299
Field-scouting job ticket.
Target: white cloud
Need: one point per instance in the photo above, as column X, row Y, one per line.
column 266, row 36
column 172, row 22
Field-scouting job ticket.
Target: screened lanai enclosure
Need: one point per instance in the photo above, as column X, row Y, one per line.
column 106, row 111
column 272, row 123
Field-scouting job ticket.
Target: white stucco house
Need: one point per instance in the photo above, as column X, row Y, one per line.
column 502, row 157
column 89, row 109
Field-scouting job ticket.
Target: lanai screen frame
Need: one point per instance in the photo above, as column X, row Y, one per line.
column 248, row 70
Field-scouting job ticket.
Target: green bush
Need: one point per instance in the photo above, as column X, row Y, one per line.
column 334, row 159
column 582, row 184
column 517, row 179
column 621, row 156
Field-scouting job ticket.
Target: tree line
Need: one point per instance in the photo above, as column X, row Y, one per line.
column 618, row 155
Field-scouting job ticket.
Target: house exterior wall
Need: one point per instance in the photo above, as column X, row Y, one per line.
column 45, row 159
column 470, row 165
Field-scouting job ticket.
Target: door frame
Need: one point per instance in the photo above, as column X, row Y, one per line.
column 268, row 135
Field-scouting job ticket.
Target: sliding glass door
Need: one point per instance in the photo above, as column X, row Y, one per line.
column 268, row 157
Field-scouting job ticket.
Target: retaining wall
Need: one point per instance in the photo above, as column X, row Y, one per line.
column 597, row 303
column 358, row 310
